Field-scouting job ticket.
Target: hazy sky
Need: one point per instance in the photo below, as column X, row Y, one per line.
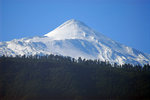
column 126, row 21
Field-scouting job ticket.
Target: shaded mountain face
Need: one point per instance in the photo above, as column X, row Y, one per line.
column 75, row 39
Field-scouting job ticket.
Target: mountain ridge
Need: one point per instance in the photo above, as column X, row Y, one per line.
column 75, row 39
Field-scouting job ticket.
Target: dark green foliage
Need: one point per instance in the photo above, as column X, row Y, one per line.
column 63, row 78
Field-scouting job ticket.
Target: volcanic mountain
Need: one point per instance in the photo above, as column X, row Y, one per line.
column 75, row 39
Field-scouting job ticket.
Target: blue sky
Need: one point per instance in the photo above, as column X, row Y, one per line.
column 126, row 21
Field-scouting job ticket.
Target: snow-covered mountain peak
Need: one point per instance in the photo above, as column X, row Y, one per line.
column 75, row 39
column 72, row 22
column 71, row 29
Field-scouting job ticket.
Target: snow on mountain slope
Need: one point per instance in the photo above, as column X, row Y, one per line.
column 75, row 39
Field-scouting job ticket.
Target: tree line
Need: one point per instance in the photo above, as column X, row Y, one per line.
column 64, row 78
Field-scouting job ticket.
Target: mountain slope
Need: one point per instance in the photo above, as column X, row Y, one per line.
column 75, row 39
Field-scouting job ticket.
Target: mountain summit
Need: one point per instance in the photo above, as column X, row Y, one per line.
column 75, row 39
column 71, row 29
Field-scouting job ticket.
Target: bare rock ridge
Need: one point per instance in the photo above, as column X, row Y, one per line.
column 75, row 39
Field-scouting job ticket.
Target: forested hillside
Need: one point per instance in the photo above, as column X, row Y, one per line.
column 64, row 78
